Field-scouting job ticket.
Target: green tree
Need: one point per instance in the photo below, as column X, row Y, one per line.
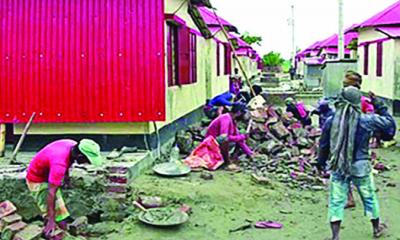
column 273, row 59
column 251, row 39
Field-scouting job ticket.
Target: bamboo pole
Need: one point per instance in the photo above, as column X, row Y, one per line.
column 21, row 140
column 234, row 53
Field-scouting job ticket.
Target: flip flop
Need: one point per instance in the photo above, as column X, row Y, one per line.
column 268, row 225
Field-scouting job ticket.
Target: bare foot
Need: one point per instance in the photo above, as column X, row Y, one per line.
column 350, row 205
column 233, row 168
column 380, row 231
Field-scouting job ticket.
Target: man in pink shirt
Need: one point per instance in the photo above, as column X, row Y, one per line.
column 224, row 129
column 47, row 171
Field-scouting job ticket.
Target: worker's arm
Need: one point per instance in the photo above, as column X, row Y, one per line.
column 51, row 199
column 382, row 121
column 67, row 181
column 246, row 149
column 237, row 138
column 225, row 102
column 230, row 131
column 324, row 145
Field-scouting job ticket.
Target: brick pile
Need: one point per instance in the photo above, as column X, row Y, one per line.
column 117, row 181
column 12, row 227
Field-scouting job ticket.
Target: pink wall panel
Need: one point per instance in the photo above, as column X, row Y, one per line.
column 82, row 60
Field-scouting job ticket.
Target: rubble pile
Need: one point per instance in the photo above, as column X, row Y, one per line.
column 287, row 151
column 187, row 140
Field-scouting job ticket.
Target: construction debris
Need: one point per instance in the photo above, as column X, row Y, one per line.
column 12, row 226
column 286, row 150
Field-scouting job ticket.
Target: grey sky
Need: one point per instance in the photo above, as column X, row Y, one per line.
column 315, row 19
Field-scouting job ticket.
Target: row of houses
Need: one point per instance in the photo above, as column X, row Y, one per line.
column 374, row 46
column 113, row 71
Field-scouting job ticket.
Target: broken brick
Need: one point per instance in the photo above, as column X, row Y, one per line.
column 7, row 208
column 295, row 151
column 31, row 232
column 117, row 178
column 8, row 220
column 306, row 151
column 9, row 231
column 116, row 196
column 79, row 225
column 151, row 202
column 117, row 169
column 186, row 209
column 117, row 188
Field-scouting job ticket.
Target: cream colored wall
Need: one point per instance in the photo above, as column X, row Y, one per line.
column 183, row 100
column 84, row 128
column 382, row 86
column 300, row 68
column 397, row 70
column 250, row 67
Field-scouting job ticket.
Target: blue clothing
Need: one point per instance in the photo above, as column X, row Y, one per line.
column 324, row 112
column 367, row 124
column 221, row 100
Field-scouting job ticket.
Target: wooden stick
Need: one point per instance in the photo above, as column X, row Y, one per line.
column 249, row 126
column 140, row 206
column 22, row 138
column 234, row 53
column 2, row 139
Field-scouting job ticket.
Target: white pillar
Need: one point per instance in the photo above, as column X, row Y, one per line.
column 292, row 22
column 341, row 31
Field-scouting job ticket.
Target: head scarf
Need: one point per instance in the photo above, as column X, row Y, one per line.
column 343, row 131
column 352, row 79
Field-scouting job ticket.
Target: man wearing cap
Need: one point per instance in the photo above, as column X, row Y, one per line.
column 47, row 171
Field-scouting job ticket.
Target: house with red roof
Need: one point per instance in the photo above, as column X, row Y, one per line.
column 111, row 71
column 379, row 54
column 311, row 61
column 248, row 57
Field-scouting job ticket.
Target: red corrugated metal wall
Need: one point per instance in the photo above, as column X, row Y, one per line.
column 82, row 60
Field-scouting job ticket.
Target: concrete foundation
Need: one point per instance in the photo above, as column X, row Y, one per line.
column 109, row 142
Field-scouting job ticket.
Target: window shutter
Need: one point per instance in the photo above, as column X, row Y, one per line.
column 193, row 58
column 218, row 60
column 169, row 56
column 366, row 59
column 228, row 59
column 184, row 55
column 379, row 59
